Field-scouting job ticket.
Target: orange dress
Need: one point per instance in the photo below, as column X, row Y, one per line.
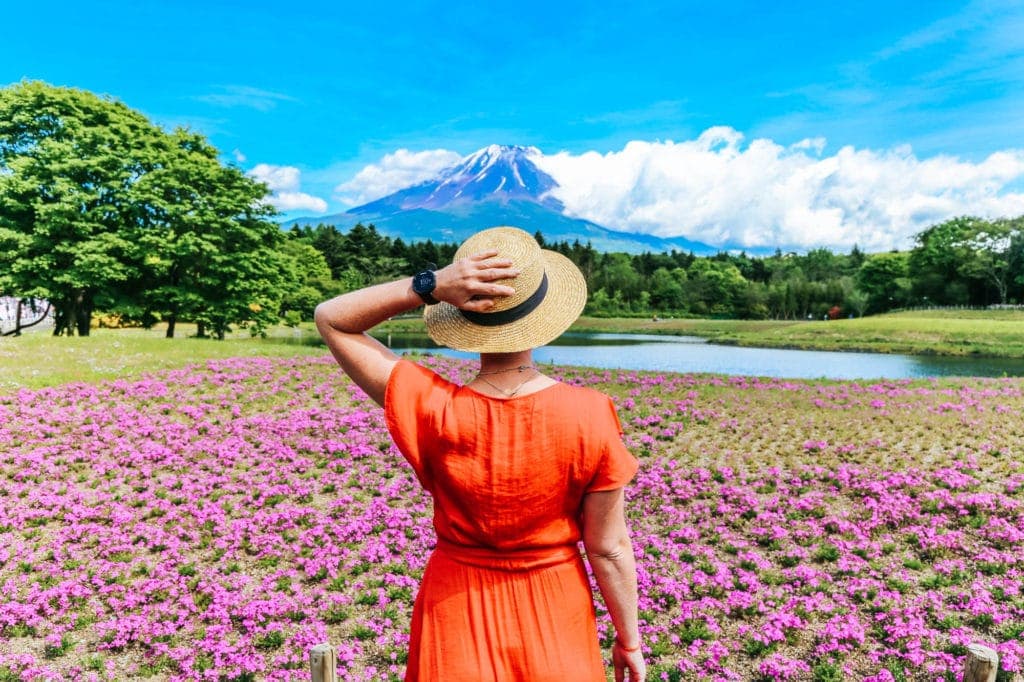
column 505, row 596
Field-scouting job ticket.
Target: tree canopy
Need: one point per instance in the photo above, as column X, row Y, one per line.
column 102, row 209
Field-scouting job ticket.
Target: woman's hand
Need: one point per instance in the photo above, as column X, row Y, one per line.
column 469, row 283
column 628, row 661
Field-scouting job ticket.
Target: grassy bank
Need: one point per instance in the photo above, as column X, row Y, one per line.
column 37, row 359
column 927, row 332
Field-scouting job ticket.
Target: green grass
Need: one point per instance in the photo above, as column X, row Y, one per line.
column 966, row 333
column 37, row 359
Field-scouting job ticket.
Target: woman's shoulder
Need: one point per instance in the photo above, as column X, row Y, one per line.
column 585, row 397
column 407, row 374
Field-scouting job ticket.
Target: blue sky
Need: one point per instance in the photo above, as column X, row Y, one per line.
column 317, row 92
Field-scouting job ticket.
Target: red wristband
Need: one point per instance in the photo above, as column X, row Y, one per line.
column 625, row 648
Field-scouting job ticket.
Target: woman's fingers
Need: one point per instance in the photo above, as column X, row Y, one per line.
column 478, row 305
column 484, row 255
column 491, row 274
column 470, row 283
column 488, row 288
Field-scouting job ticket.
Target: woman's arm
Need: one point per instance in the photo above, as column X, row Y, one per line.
column 610, row 552
column 343, row 321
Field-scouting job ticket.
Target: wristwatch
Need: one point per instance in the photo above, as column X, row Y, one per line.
column 424, row 283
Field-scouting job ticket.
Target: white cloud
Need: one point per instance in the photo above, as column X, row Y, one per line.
column 276, row 177
column 284, row 182
column 717, row 190
column 294, row 201
column 239, row 156
column 395, row 171
column 244, row 96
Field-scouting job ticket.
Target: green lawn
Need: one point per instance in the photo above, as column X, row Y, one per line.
column 37, row 359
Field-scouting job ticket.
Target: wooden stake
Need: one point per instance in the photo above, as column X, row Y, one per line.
column 323, row 663
column 982, row 664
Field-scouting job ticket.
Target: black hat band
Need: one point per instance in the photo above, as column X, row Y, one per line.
column 512, row 314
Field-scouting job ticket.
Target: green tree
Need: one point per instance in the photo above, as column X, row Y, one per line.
column 857, row 301
column 936, row 263
column 101, row 208
column 666, row 289
column 617, row 276
column 714, row 287
column 998, row 249
column 206, row 249
column 883, row 278
column 67, row 162
column 309, row 279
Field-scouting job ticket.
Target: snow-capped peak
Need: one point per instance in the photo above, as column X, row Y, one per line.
column 493, row 173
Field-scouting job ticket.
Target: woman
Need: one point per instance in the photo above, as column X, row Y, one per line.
column 520, row 467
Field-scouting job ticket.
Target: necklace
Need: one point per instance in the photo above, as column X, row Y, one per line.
column 518, row 368
column 506, row 391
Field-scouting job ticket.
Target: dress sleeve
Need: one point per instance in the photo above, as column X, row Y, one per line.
column 413, row 398
column 617, row 465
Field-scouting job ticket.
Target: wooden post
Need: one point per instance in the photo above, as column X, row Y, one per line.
column 982, row 664
column 323, row 663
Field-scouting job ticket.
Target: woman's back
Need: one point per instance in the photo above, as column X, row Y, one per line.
column 506, row 473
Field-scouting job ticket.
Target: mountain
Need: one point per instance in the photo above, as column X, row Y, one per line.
column 497, row 185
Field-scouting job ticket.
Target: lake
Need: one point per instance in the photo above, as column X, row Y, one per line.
column 693, row 354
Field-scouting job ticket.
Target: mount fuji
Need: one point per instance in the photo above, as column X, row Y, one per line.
column 496, row 185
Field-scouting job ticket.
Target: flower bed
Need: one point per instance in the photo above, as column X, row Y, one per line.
column 215, row 522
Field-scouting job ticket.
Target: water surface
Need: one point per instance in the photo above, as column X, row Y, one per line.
column 693, row 354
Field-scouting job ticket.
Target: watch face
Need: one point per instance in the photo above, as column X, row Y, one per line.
column 424, row 282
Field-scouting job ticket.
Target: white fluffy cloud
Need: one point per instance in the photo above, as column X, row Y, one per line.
column 394, row 172
column 284, row 182
column 717, row 190
column 724, row 191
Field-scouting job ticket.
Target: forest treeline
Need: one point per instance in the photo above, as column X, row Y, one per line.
column 966, row 261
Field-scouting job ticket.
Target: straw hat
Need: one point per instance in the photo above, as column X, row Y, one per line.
column 550, row 295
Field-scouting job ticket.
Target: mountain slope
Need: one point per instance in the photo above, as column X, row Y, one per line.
column 494, row 186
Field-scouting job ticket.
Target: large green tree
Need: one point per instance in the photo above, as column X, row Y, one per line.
column 67, row 162
column 99, row 208
column 205, row 250
column 883, row 278
column 936, row 264
column 998, row 253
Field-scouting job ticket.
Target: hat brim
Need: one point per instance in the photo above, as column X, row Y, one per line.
column 563, row 303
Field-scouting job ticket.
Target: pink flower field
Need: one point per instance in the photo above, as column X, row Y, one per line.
column 214, row 522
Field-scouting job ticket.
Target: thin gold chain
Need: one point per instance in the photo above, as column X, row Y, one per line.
column 506, row 391
column 519, row 368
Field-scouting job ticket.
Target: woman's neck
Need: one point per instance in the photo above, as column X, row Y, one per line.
column 492, row 362
column 507, row 375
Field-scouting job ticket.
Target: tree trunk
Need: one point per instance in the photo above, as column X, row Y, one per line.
column 83, row 312
column 73, row 314
column 171, row 320
column 1002, row 286
column 66, row 315
column 201, row 329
